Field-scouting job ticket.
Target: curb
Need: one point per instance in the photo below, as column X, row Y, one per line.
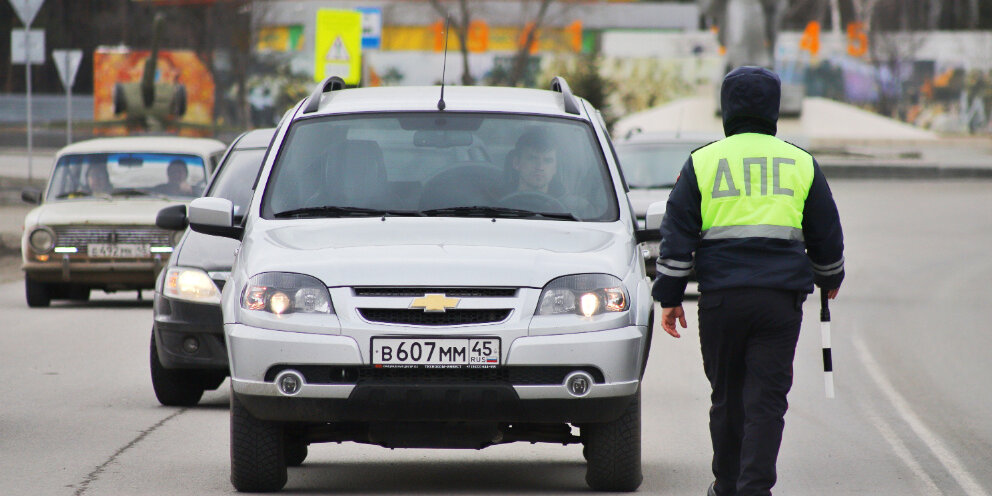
column 902, row 171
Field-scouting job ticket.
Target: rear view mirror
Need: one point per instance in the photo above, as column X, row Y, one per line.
column 441, row 139
column 31, row 195
column 130, row 161
column 172, row 218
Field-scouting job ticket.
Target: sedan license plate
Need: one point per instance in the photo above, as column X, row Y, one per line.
column 435, row 352
column 107, row 250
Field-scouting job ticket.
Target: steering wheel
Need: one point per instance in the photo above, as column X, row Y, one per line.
column 533, row 200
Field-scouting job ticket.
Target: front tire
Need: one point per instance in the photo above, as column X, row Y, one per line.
column 613, row 451
column 258, row 452
column 174, row 387
column 38, row 294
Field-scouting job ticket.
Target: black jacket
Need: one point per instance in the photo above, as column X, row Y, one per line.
column 750, row 100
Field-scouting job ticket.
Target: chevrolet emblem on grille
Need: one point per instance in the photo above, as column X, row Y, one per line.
column 433, row 302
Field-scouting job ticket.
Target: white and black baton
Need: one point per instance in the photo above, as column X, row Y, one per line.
column 828, row 366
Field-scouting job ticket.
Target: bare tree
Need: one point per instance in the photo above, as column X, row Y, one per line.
column 530, row 30
column 460, row 23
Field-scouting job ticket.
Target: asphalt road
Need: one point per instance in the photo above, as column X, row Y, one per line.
column 912, row 414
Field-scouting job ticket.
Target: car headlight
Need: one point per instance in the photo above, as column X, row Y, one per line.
column 281, row 293
column 583, row 294
column 42, row 240
column 184, row 283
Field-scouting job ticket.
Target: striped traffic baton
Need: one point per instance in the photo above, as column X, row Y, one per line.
column 828, row 366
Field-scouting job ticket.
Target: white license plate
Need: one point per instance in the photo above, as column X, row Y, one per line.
column 107, row 250
column 436, row 352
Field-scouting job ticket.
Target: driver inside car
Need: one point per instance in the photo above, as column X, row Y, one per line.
column 533, row 182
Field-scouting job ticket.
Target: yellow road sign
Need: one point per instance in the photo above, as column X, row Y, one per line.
column 338, row 45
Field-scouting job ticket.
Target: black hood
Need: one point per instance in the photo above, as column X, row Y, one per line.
column 750, row 99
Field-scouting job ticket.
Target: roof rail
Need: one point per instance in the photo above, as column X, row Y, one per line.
column 561, row 86
column 332, row 83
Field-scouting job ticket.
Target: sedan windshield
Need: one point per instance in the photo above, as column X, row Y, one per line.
column 655, row 165
column 105, row 175
column 450, row 164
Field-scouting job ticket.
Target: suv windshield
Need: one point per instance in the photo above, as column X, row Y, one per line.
column 127, row 174
column 450, row 164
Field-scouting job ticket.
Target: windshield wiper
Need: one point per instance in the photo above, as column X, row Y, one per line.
column 78, row 192
column 81, row 193
column 652, row 186
column 129, row 192
column 486, row 211
column 336, row 211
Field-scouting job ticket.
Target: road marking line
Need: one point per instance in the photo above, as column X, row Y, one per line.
column 944, row 455
column 902, row 451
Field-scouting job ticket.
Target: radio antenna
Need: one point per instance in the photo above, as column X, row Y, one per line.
column 444, row 64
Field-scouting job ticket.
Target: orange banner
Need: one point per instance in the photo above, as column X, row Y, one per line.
column 112, row 65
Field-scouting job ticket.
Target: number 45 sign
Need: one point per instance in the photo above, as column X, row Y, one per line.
column 857, row 40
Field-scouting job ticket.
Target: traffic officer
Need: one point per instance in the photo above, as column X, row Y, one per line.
column 755, row 218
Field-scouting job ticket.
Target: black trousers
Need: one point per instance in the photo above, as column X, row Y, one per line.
column 748, row 338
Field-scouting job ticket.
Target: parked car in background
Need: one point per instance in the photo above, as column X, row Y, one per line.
column 95, row 228
column 188, row 355
column 651, row 163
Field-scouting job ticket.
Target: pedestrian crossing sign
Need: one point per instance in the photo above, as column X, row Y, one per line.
column 338, row 45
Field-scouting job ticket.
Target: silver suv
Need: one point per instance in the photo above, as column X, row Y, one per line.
column 419, row 270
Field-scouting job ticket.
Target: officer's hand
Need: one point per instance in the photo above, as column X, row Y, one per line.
column 668, row 316
column 831, row 294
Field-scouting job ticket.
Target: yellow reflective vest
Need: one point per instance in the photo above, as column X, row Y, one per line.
column 746, row 194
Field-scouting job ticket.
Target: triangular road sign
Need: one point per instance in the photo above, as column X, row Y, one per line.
column 337, row 52
column 67, row 63
column 26, row 9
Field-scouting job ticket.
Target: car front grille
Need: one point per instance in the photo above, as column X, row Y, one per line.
column 515, row 375
column 83, row 236
column 447, row 318
column 454, row 292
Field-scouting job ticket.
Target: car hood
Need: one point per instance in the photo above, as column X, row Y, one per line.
column 99, row 212
column 438, row 251
column 642, row 198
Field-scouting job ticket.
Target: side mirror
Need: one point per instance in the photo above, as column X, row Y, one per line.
column 214, row 216
column 31, row 195
column 172, row 218
column 656, row 212
column 652, row 223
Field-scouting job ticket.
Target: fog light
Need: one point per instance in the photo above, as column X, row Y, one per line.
column 289, row 382
column 578, row 384
column 191, row 345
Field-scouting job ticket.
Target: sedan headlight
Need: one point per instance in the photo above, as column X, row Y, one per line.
column 583, row 294
column 42, row 240
column 183, row 283
column 283, row 292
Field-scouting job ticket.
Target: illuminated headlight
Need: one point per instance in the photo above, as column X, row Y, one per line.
column 42, row 240
column 283, row 293
column 188, row 284
column 583, row 294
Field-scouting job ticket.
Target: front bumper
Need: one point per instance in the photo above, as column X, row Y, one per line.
column 113, row 275
column 176, row 320
column 353, row 391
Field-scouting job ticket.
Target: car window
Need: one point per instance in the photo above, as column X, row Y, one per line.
column 653, row 165
column 127, row 174
column 235, row 177
column 442, row 164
